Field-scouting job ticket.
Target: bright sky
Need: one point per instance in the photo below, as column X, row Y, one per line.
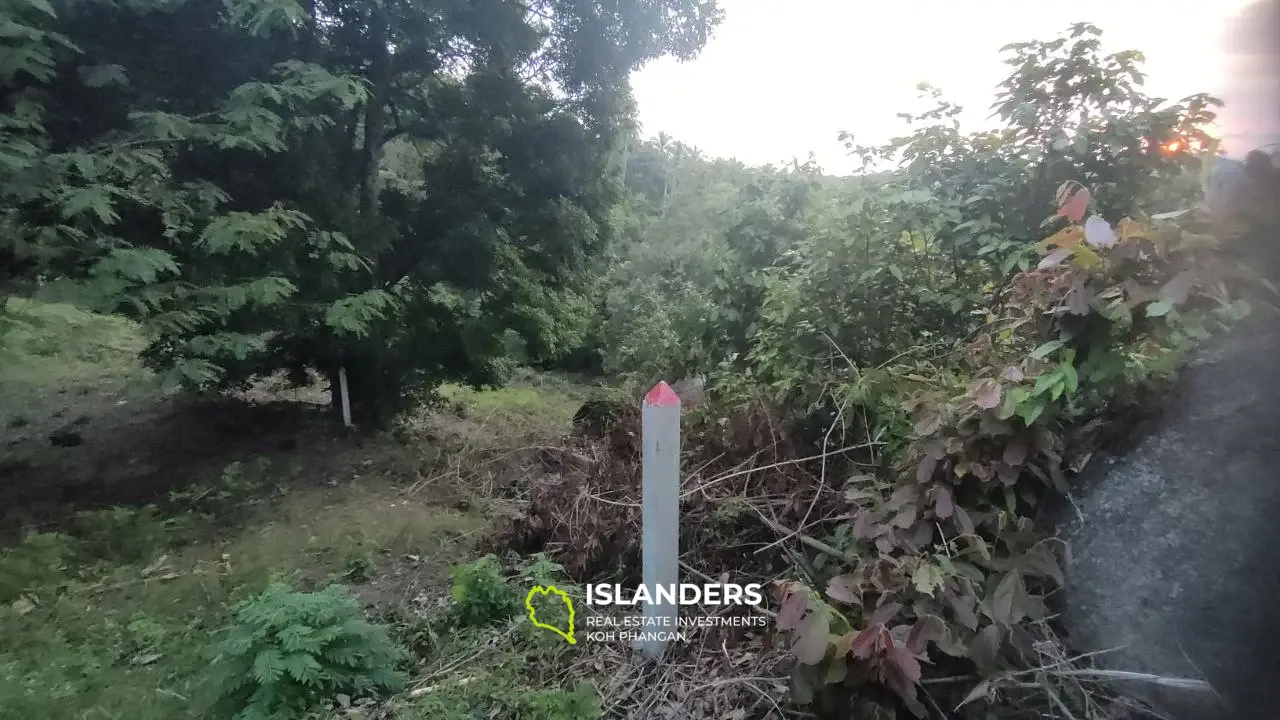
column 782, row 77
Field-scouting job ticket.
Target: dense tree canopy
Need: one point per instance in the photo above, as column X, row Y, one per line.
column 412, row 190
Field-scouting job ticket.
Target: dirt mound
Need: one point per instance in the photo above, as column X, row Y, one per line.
column 133, row 456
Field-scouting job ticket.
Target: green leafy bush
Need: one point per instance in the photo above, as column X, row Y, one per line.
column 123, row 534
column 481, row 595
column 41, row 559
column 289, row 650
column 581, row 703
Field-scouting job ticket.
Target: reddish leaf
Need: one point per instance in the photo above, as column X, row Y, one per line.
column 926, row 629
column 906, row 663
column 924, row 471
column 885, row 613
column 844, row 588
column 1012, row 374
column 870, row 642
column 1007, row 604
column 863, row 525
column 901, row 673
column 782, row 588
column 1074, row 208
column 1063, row 193
column 812, row 638
column 943, row 502
column 989, row 395
column 792, row 610
column 928, row 424
column 1015, row 452
column 903, row 496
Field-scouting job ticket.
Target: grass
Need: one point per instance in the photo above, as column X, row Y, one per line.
column 529, row 408
column 112, row 639
column 56, row 346
column 107, row 612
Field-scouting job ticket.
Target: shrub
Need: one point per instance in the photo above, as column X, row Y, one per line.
column 41, row 559
column 581, row 703
column 123, row 534
column 289, row 650
column 480, row 593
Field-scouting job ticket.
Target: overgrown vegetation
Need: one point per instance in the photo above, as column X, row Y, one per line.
column 973, row 324
column 289, row 650
column 906, row 366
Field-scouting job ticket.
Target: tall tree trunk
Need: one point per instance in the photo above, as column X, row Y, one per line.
column 366, row 380
column 310, row 32
column 375, row 114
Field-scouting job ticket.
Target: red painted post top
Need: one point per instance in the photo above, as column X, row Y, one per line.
column 662, row 396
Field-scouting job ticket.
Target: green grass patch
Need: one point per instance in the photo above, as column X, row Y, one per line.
column 50, row 345
column 531, row 409
column 88, row 636
column 113, row 615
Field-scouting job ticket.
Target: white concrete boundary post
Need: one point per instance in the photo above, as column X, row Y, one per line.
column 660, row 514
column 346, row 399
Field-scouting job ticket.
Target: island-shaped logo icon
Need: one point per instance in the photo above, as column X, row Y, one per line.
column 567, row 633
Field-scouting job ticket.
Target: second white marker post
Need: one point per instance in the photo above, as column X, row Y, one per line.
column 660, row 514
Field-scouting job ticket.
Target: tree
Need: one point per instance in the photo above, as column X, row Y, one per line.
column 282, row 245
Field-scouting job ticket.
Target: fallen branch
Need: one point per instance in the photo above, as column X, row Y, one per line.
column 805, row 539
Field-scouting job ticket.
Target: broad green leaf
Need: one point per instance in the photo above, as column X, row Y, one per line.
column 1070, row 379
column 1046, row 349
column 1159, row 308
column 1046, row 381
